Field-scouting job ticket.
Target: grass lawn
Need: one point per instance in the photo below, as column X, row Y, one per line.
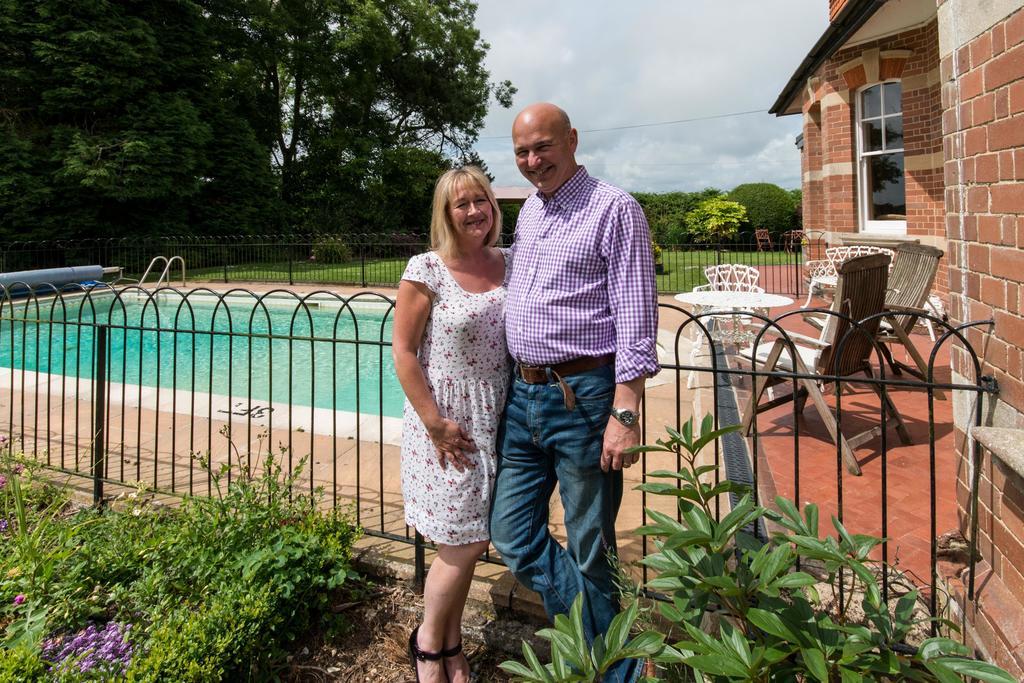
column 385, row 272
column 683, row 270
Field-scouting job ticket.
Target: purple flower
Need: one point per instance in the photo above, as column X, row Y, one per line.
column 18, row 468
column 18, row 599
column 4, row 524
column 3, row 481
column 93, row 648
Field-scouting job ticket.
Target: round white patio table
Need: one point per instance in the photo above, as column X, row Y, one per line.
column 716, row 304
column 740, row 301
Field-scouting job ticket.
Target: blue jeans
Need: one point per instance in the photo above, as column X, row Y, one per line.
column 541, row 443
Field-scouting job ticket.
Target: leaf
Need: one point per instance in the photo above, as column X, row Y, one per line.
column 566, row 644
column 942, row 672
column 738, row 643
column 649, row 449
column 795, row 580
column 719, row 665
column 772, row 623
column 647, row 644
column 974, row 668
column 849, row 676
column 539, row 672
column 516, row 669
column 619, row 629
column 937, row 647
column 815, row 661
column 667, row 474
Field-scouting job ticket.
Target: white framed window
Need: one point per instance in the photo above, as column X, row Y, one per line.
column 881, row 186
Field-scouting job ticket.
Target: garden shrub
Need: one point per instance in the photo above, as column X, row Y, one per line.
column 768, row 206
column 715, row 220
column 666, row 213
column 772, row 623
column 215, row 589
column 21, row 665
column 331, row 250
column 224, row 639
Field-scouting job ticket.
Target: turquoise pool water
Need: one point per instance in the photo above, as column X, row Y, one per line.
column 321, row 357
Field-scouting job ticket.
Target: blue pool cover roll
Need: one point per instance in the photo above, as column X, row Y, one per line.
column 58, row 277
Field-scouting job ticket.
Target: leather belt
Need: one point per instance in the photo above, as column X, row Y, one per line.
column 538, row 374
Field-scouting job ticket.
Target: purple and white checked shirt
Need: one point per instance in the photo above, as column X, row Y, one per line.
column 582, row 280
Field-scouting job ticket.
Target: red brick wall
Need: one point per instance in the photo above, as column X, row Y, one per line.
column 996, row 617
column 983, row 123
column 983, row 148
column 813, row 196
column 835, row 141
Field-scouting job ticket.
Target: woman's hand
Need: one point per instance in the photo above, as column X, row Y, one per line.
column 453, row 445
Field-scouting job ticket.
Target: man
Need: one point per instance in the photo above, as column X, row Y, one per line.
column 581, row 318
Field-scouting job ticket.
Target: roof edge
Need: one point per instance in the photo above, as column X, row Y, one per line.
column 854, row 15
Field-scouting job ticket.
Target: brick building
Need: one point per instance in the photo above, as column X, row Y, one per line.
column 913, row 129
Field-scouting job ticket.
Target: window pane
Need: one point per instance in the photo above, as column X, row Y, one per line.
column 873, row 135
column 893, row 97
column 893, row 132
column 886, row 194
column 871, row 102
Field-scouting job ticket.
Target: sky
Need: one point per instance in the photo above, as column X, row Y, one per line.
column 612, row 63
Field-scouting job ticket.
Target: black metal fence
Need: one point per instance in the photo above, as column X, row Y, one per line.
column 129, row 385
column 363, row 260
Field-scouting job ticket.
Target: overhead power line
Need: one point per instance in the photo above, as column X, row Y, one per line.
column 651, row 125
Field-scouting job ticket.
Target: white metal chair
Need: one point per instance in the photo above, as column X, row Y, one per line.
column 725, row 277
column 822, row 275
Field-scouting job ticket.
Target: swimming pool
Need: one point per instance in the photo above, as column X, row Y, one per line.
column 315, row 352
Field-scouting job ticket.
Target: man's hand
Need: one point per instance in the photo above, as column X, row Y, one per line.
column 617, row 438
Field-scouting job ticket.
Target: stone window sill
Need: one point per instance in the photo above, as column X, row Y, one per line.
column 1003, row 442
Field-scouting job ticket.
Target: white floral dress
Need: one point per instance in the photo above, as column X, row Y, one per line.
column 467, row 367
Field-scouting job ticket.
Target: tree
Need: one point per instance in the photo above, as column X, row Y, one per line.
column 117, row 121
column 228, row 116
column 768, row 206
column 360, row 91
column 666, row 212
column 715, row 219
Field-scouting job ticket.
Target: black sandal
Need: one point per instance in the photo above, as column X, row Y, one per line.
column 416, row 654
column 455, row 651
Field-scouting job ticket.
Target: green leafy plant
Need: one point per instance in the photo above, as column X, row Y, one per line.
column 715, row 219
column 573, row 660
column 330, row 250
column 216, row 588
column 738, row 608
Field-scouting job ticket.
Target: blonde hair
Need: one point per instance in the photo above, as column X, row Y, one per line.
column 442, row 234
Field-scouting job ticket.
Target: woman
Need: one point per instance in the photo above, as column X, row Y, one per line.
column 449, row 349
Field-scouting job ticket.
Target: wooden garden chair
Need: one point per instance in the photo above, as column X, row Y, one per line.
column 843, row 350
column 764, row 239
column 793, row 240
column 911, row 277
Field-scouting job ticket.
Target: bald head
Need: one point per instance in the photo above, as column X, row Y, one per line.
column 543, row 113
column 545, row 146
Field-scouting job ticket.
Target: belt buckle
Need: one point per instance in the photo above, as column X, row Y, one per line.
column 522, row 368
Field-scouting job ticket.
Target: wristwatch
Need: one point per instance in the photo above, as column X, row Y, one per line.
column 626, row 416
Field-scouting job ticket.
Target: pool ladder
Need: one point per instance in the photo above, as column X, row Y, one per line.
column 165, row 276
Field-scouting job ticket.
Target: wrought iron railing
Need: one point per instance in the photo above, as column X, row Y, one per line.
column 363, row 260
column 127, row 386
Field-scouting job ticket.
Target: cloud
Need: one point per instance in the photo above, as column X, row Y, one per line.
column 612, row 64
